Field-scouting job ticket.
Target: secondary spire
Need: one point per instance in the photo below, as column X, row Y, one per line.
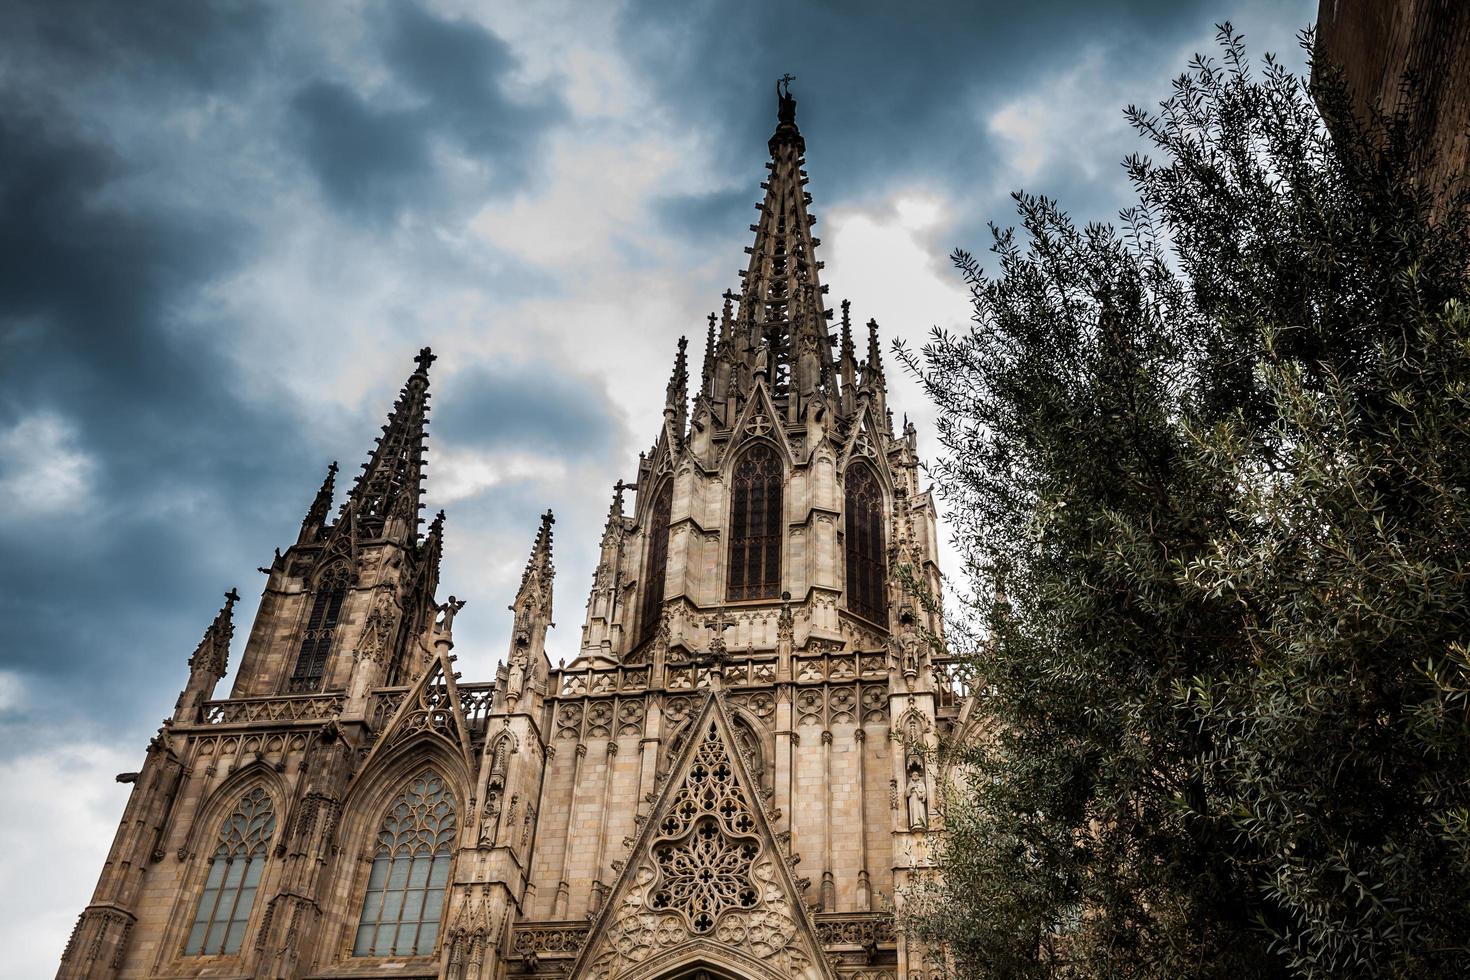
column 386, row 496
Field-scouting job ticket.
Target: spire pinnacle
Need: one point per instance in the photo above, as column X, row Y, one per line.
column 875, row 353
column 386, row 495
column 615, row 509
column 676, row 400
column 707, row 373
column 535, row 591
column 316, row 516
column 213, row 653
column 786, row 131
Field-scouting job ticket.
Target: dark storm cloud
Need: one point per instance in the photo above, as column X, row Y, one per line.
column 374, row 156
column 207, row 45
column 534, row 406
column 368, row 160
column 87, row 334
column 720, row 212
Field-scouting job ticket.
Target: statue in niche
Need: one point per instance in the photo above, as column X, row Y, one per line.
column 515, row 681
column 489, row 818
column 917, row 795
column 909, row 645
column 811, row 367
column 763, row 359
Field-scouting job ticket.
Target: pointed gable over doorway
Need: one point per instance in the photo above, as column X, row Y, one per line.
column 706, row 882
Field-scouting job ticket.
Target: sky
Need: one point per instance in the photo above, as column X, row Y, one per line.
column 226, row 228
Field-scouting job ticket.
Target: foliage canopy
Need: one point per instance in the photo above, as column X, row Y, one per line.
column 1209, row 473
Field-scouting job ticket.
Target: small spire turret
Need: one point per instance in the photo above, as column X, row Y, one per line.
column 210, row 661
column 873, row 368
column 676, row 399
column 316, row 517
column 707, row 373
column 526, row 665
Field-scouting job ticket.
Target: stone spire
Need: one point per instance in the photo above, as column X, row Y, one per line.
column 526, row 665
column 676, row 395
column 316, row 518
column 707, row 372
column 873, row 372
column 536, row 579
column 210, row 661
column 385, row 499
column 781, row 305
column 847, row 364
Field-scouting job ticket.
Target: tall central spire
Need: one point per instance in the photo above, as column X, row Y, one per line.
column 782, row 310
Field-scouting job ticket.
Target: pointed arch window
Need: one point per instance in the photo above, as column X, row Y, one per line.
column 410, row 876
column 658, row 561
column 234, row 875
column 321, row 630
column 866, row 571
column 755, row 525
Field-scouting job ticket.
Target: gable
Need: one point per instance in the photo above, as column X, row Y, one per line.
column 430, row 708
column 706, row 877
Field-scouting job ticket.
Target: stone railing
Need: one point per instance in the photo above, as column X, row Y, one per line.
column 381, row 705
column 951, row 680
column 839, row 666
column 303, row 707
column 548, row 940
column 475, row 700
column 606, row 680
column 866, row 930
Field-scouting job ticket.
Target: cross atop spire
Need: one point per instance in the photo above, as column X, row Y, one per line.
column 386, row 496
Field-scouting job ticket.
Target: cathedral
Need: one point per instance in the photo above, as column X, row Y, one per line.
column 734, row 778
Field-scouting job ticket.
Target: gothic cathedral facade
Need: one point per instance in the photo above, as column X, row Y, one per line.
column 733, row 778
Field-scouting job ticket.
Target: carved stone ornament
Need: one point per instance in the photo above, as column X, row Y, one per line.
column 706, row 872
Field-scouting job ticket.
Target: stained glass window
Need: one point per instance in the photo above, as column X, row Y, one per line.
column 755, row 525
column 321, row 629
column 866, row 572
column 658, row 561
column 410, row 874
column 234, row 875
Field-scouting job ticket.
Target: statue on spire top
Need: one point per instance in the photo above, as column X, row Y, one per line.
column 786, row 103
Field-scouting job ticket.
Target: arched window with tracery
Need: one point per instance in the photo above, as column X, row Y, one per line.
column 234, row 875
column 866, row 571
column 409, row 879
column 755, row 525
column 658, row 561
column 321, row 630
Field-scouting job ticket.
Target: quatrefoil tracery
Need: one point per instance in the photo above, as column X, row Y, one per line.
column 707, row 843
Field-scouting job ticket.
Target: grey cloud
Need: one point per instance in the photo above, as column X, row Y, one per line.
column 208, row 45
column 713, row 213
column 375, row 158
column 88, row 290
column 535, row 406
column 367, row 160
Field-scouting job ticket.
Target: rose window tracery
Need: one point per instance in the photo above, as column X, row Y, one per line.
column 707, row 843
